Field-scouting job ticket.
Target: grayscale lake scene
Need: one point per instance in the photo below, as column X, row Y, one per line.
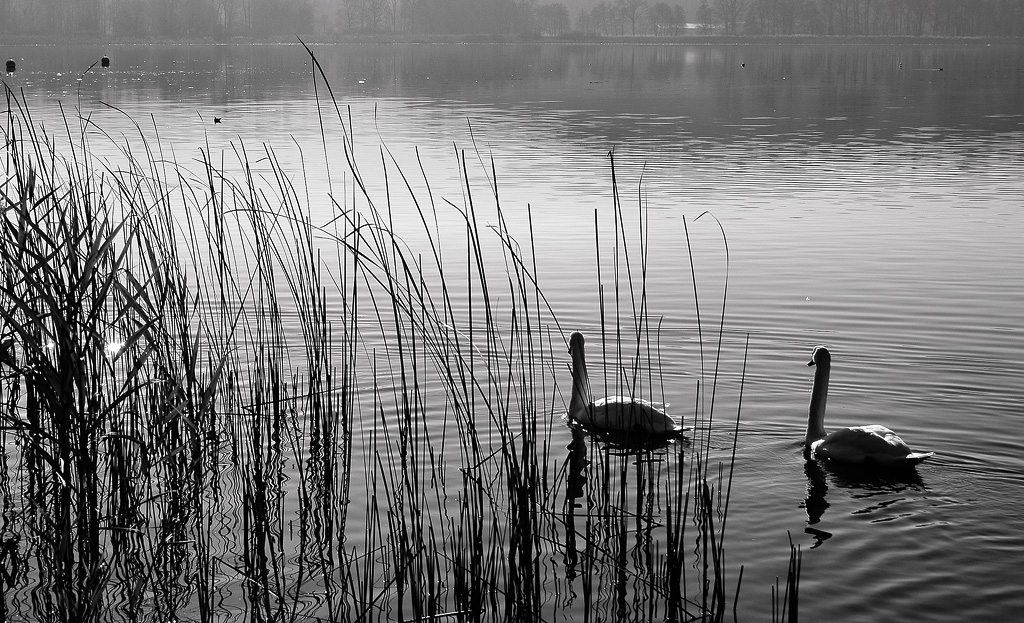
column 287, row 329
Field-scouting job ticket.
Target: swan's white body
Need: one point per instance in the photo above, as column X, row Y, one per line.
column 620, row 414
column 874, row 444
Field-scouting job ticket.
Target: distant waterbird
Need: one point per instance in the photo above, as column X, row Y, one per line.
column 11, row 66
column 105, row 61
column 216, row 119
column 615, row 414
column 859, row 445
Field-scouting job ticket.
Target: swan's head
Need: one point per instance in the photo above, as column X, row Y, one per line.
column 576, row 342
column 820, row 356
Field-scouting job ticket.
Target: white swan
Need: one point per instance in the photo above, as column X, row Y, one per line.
column 872, row 444
column 615, row 413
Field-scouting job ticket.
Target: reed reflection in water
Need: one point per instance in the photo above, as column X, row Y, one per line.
column 869, row 207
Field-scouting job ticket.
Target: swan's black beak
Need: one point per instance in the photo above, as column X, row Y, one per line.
column 810, row 363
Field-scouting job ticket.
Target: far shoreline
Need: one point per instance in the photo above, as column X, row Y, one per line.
column 569, row 39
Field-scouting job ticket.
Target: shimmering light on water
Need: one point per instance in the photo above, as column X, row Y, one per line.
column 869, row 207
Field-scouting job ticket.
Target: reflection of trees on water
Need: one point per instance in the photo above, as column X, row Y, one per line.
column 673, row 93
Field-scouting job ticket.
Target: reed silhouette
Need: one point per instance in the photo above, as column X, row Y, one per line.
column 213, row 405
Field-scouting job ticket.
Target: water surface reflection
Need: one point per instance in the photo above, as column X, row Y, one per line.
column 871, row 201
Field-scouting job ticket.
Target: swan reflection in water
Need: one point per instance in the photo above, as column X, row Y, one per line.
column 575, row 489
column 862, row 483
column 815, row 503
column 623, row 464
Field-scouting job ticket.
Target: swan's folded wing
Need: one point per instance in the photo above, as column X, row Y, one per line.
column 866, row 444
column 626, row 414
column 619, row 401
column 875, row 435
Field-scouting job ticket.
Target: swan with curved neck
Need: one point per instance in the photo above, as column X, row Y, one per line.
column 873, row 444
column 614, row 413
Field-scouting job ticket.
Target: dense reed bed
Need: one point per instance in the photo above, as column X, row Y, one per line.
column 214, row 408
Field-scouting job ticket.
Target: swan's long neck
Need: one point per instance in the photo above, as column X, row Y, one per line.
column 816, row 411
column 580, row 383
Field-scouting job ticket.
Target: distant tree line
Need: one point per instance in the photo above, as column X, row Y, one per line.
column 613, row 18
column 955, row 18
column 157, row 18
column 223, row 19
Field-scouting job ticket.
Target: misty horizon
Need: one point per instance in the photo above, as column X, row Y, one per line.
column 226, row 20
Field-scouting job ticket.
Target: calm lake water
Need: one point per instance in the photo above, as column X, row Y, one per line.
column 872, row 199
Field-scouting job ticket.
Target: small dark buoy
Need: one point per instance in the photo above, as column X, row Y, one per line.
column 105, row 62
column 11, row 66
column 216, row 119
